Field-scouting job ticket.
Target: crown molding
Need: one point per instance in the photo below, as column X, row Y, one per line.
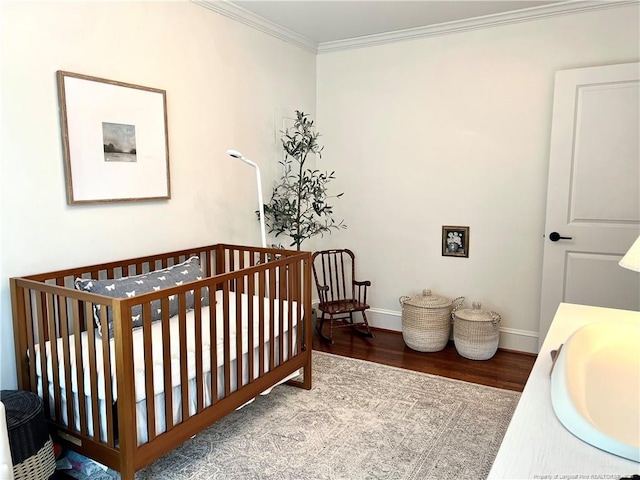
column 487, row 21
column 243, row 15
column 233, row 11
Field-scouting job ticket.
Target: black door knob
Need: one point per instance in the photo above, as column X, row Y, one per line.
column 555, row 236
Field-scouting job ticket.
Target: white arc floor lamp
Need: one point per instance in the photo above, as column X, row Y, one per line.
column 236, row 154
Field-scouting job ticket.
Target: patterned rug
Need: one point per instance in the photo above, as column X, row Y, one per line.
column 361, row 420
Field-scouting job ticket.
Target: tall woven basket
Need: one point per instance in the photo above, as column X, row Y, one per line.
column 426, row 320
column 476, row 333
column 31, row 447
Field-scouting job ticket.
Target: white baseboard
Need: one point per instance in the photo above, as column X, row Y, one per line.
column 510, row 338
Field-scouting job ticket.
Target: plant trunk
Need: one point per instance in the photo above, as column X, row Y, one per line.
column 299, row 214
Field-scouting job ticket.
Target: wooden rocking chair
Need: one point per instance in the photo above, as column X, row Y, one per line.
column 340, row 294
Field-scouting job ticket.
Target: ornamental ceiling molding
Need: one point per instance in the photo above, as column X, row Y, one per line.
column 228, row 9
column 243, row 15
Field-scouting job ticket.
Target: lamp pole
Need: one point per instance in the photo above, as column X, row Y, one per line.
column 236, row 154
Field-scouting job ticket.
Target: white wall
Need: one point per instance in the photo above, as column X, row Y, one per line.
column 454, row 130
column 449, row 130
column 227, row 85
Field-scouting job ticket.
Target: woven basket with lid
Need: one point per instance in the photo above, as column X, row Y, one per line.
column 426, row 320
column 475, row 332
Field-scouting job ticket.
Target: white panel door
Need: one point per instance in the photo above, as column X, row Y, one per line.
column 594, row 190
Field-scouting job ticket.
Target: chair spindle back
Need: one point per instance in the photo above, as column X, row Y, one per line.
column 336, row 270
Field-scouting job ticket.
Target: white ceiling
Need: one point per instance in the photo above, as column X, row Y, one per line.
column 324, row 26
column 333, row 20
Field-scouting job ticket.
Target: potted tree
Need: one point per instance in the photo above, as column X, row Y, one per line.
column 299, row 206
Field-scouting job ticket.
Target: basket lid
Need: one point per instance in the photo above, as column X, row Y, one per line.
column 426, row 300
column 476, row 314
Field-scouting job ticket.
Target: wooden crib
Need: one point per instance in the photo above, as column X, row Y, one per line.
column 104, row 379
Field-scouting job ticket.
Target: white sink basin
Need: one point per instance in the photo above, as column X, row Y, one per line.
column 595, row 386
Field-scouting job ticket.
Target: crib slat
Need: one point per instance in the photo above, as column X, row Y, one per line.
column 301, row 298
column 166, row 363
column 241, row 259
column 148, row 371
column 226, row 335
column 93, row 372
column 108, row 382
column 239, row 362
column 232, row 260
column 103, row 336
column 292, row 271
column 83, row 321
column 197, row 310
column 30, row 343
column 299, row 322
column 308, row 341
column 184, row 377
column 125, row 371
column 288, row 318
column 250, row 329
column 213, row 343
column 272, row 318
column 295, row 330
column 49, row 320
column 79, row 363
column 220, row 252
column 206, row 265
column 261, row 294
column 55, row 364
column 66, row 354
column 296, row 321
column 283, row 288
column 42, row 337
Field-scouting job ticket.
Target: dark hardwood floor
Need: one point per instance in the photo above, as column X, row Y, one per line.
column 507, row 369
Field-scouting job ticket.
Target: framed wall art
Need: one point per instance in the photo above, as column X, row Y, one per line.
column 115, row 140
column 455, row 241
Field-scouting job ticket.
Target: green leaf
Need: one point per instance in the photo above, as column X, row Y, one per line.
column 297, row 207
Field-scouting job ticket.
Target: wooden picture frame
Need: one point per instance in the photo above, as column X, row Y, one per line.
column 455, row 241
column 115, row 140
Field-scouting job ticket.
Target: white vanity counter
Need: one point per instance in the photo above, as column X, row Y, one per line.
column 536, row 445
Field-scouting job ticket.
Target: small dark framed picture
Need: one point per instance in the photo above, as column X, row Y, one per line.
column 455, row 241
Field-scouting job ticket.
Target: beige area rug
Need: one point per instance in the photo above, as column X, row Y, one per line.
column 361, row 420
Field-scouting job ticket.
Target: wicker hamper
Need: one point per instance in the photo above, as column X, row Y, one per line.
column 29, row 441
column 426, row 320
column 475, row 332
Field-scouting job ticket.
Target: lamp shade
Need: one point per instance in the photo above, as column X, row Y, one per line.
column 632, row 259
